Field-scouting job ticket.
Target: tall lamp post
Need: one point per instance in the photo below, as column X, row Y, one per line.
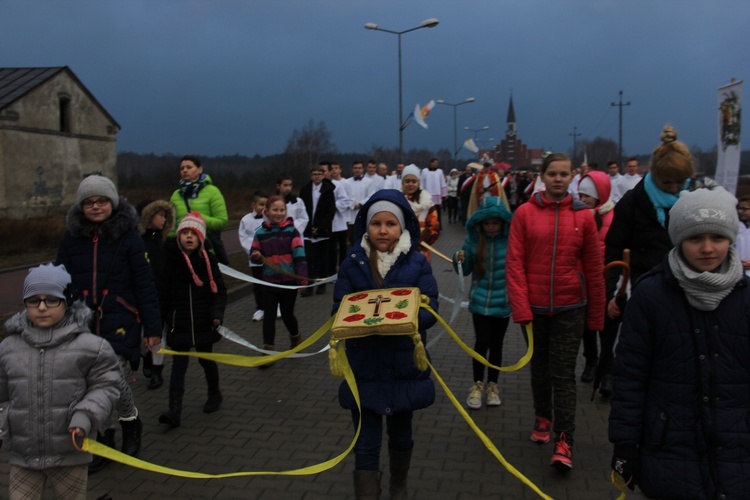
column 619, row 143
column 427, row 23
column 455, row 130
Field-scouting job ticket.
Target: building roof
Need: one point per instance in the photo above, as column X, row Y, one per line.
column 511, row 111
column 17, row 82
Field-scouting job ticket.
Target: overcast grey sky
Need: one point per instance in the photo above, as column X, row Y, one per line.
column 226, row 77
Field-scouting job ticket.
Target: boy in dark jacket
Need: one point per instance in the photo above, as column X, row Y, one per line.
column 105, row 257
column 192, row 297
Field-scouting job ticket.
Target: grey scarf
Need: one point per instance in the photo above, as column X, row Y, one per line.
column 705, row 290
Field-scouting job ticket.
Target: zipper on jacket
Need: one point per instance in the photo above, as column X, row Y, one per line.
column 190, row 301
column 94, row 273
column 42, row 409
column 489, row 269
column 554, row 256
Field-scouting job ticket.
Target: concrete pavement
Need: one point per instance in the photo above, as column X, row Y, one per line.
column 288, row 417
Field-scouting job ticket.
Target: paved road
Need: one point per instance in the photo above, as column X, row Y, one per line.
column 288, row 417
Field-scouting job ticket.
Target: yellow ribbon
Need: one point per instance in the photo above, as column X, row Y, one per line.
column 101, row 450
column 486, row 440
column 474, row 354
column 250, row 361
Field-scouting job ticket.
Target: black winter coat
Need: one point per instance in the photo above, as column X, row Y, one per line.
column 322, row 219
column 182, row 300
column 108, row 266
column 681, row 390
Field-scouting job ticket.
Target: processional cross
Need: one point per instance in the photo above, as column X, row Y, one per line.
column 378, row 301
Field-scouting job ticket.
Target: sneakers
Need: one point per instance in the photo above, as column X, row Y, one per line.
column 562, row 458
column 493, row 396
column 474, row 401
column 540, row 434
column 258, row 316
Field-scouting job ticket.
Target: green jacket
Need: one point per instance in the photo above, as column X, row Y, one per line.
column 209, row 203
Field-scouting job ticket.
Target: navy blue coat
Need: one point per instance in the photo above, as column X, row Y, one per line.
column 108, row 266
column 387, row 378
column 681, row 390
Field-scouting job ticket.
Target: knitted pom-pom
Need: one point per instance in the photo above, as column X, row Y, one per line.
column 333, row 360
column 420, row 355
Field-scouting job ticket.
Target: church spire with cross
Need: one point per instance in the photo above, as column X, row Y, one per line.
column 511, row 130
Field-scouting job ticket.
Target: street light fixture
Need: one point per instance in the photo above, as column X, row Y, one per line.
column 455, row 132
column 427, row 23
column 476, row 131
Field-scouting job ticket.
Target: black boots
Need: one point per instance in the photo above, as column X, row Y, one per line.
column 107, row 438
column 367, row 484
column 214, row 400
column 588, row 372
column 156, row 380
column 399, row 465
column 172, row 416
column 131, row 436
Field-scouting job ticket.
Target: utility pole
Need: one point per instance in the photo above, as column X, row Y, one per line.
column 620, row 105
column 575, row 135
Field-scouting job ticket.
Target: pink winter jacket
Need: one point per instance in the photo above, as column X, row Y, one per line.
column 555, row 261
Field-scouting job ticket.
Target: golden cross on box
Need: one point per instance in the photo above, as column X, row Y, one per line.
column 377, row 301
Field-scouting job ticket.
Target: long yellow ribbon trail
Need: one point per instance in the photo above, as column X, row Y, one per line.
column 101, row 450
column 485, row 439
column 517, row 366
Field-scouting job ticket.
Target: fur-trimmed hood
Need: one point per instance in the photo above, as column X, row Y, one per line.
column 148, row 212
column 124, row 218
column 75, row 321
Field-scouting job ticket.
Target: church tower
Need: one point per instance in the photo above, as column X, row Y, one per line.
column 510, row 134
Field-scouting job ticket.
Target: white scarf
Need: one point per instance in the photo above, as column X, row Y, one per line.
column 387, row 259
column 705, row 290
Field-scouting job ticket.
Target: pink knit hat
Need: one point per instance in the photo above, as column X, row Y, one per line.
column 194, row 222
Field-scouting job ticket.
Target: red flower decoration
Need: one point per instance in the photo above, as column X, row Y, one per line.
column 359, row 296
column 400, row 293
column 395, row 315
column 354, row 317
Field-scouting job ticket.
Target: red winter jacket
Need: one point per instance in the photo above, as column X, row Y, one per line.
column 555, row 261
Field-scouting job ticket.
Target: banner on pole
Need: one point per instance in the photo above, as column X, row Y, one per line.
column 729, row 128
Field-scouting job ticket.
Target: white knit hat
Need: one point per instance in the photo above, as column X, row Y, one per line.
column 386, row 206
column 587, row 187
column 411, row 170
column 709, row 211
column 97, row 185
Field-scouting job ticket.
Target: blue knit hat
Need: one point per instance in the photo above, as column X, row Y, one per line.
column 47, row 279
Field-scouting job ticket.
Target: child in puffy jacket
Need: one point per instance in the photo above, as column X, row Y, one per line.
column 57, row 382
column 483, row 256
column 390, row 385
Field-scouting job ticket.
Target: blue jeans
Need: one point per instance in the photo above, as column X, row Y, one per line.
column 367, row 448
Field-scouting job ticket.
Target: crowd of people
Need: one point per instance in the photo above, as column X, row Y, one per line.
column 671, row 354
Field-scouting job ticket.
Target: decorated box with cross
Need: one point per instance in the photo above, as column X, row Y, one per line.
column 391, row 311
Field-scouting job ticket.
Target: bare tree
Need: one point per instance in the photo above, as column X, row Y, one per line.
column 601, row 151
column 306, row 147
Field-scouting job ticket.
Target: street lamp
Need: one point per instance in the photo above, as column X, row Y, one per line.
column 427, row 23
column 455, row 133
column 476, row 131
